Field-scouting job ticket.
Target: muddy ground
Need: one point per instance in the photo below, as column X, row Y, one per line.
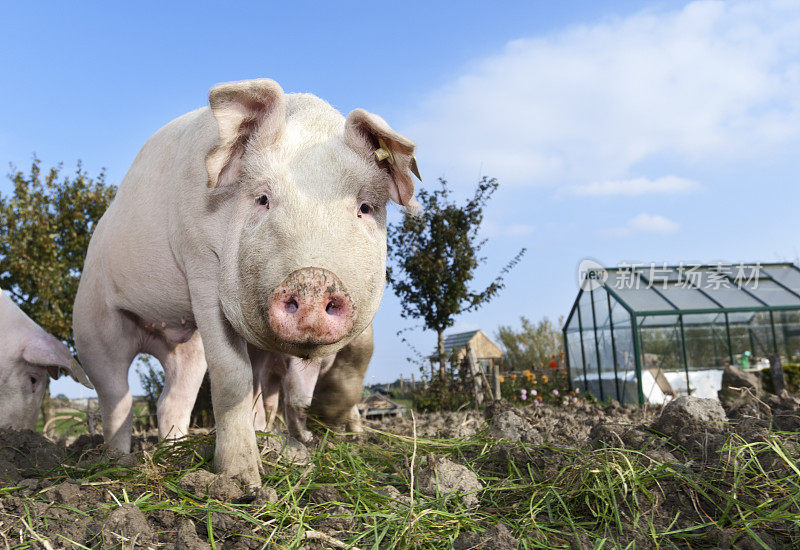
column 91, row 504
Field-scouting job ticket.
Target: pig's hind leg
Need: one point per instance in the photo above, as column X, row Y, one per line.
column 298, row 390
column 266, row 389
column 184, row 368
column 107, row 343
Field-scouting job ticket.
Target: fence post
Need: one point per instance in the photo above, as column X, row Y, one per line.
column 474, row 370
column 498, row 394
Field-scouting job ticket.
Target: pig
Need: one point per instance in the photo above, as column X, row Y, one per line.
column 340, row 388
column 29, row 357
column 256, row 224
column 330, row 387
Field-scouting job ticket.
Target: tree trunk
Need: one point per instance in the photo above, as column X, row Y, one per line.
column 442, row 357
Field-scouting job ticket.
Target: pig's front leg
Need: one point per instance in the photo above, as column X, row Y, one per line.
column 231, row 391
column 298, row 390
column 353, row 421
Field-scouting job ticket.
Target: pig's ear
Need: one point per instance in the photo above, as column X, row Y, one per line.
column 371, row 136
column 45, row 351
column 243, row 110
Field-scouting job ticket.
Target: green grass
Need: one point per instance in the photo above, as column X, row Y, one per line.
column 549, row 497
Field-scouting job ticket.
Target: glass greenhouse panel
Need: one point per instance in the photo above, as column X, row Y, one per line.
column 773, row 294
column 626, row 381
column 643, row 299
column 762, row 335
column 789, row 277
column 649, row 334
column 706, row 342
column 687, row 297
column 787, row 331
column 575, row 359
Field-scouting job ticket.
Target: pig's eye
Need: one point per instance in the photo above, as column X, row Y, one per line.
column 365, row 209
column 263, row 200
column 34, row 380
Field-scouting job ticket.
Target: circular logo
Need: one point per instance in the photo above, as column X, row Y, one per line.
column 591, row 275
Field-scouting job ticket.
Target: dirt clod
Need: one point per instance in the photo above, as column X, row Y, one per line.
column 508, row 422
column 29, row 451
column 391, row 492
column 734, row 380
column 284, row 448
column 326, row 493
column 8, row 472
column 695, row 424
column 203, row 483
column 496, row 537
column 441, row 476
column 65, row 493
column 340, row 519
column 187, row 538
column 125, row 525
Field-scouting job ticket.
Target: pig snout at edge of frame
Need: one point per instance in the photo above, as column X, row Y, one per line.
column 259, row 222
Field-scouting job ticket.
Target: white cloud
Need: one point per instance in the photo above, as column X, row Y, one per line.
column 667, row 185
column 711, row 82
column 645, row 223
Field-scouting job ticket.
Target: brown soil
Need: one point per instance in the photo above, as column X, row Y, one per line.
column 687, row 433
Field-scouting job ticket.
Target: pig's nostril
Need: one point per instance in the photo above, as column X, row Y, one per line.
column 333, row 307
column 291, row 305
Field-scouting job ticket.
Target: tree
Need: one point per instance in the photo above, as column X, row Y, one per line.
column 45, row 228
column 433, row 257
column 534, row 346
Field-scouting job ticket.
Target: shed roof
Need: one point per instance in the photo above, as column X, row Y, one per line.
column 458, row 340
column 481, row 343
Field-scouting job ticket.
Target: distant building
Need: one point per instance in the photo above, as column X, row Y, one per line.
column 486, row 351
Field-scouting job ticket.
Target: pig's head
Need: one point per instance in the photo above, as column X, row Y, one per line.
column 304, row 264
column 29, row 357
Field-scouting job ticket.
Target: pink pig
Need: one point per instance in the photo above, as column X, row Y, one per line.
column 28, row 358
column 329, row 388
column 256, row 224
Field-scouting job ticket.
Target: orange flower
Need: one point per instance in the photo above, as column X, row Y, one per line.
column 544, row 379
column 513, row 376
column 502, row 379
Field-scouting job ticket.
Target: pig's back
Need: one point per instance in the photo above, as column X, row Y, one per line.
column 131, row 249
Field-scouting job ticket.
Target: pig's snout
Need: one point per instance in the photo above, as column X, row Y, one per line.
column 311, row 306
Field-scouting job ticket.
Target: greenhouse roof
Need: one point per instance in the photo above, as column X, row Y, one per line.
column 660, row 289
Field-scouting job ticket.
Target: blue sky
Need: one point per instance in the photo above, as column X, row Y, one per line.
column 619, row 131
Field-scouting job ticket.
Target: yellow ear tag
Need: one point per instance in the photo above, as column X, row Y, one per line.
column 384, row 153
column 414, row 168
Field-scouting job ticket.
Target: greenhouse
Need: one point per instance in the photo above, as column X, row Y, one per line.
column 644, row 333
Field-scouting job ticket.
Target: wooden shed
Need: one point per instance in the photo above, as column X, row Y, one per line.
column 486, row 351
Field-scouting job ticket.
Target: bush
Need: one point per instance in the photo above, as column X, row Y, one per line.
column 791, row 372
column 450, row 392
column 538, row 384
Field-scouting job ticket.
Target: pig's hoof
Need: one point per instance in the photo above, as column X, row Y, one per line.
column 261, row 495
column 250, row 480
column 356, row 428
column 305, row 437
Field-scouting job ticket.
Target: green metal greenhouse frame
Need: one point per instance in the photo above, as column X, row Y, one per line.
column 617, row 307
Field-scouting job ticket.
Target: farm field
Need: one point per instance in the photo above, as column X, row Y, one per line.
column 580, row 476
